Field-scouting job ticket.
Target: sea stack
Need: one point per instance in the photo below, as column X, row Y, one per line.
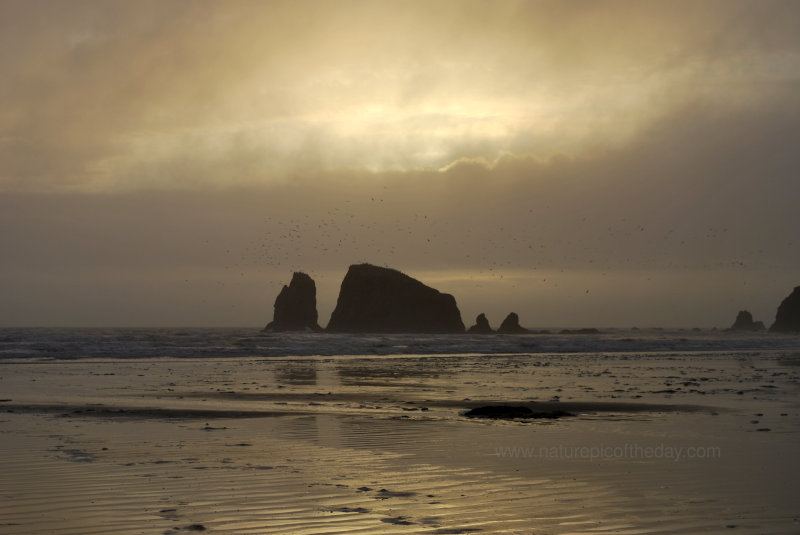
column 744, row 322
column 383, row 300
column 296, row 306
column 511, row 325
column 787, row 319
column 481, row 325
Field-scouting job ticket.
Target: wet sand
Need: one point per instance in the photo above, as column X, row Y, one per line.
column 660, row 443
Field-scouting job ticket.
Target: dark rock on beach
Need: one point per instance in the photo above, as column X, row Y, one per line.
column 744, row 322
column 788, row 317
column 508, row 412
column 481, row 325
column 296, row 306
column 511, row 325
column 383, row 300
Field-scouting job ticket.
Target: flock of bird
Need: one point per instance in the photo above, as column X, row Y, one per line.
column 530, row 241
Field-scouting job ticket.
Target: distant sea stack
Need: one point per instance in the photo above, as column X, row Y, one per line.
column 481, row 325
column 296, row 306
column 511, row 325
column 744, row 322
column 787, row 319
column 585, row 330
column 382, row 300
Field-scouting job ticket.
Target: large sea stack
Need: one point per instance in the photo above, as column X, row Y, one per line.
column 382, row 300
column 296, row 306
column 787, row 319
column 744, row 322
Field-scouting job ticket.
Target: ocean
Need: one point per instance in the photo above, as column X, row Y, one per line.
column 122, row 343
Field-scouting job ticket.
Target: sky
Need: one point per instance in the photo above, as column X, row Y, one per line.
column 581, row 163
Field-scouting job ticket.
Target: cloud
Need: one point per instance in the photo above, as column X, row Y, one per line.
column 705, row 197
column 109, row 95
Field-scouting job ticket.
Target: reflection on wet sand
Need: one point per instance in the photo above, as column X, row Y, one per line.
column 392, row 374
column 296, row 373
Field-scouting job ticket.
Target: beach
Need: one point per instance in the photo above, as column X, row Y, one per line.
column 659, row 441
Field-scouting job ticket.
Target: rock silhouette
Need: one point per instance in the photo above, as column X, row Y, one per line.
column 511, row 325
column 744, row 322
column 383, row 300
column 585, row 330
column 296, row 306
column 788, row 317
column 481, row 325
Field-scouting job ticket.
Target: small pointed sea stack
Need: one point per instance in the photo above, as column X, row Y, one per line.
column 296, row 306
column 481, row 325
column 744, row 322
column 511, row 325
column 787, row 319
